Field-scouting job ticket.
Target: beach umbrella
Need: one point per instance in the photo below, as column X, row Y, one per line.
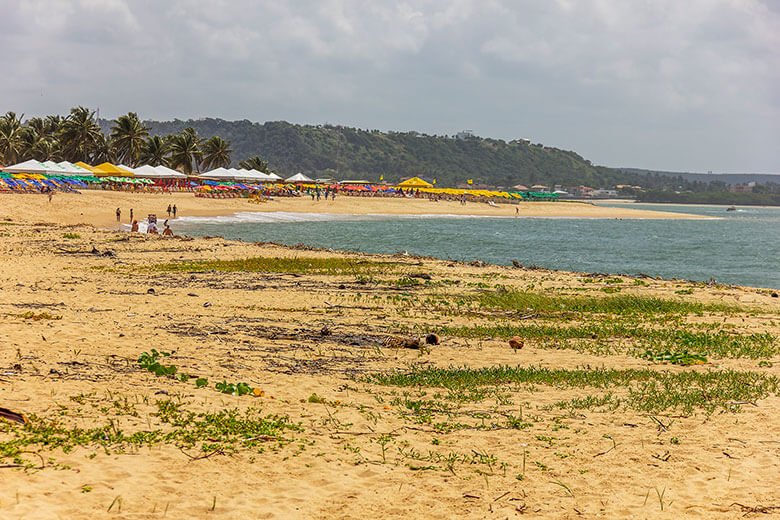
column 415, row 182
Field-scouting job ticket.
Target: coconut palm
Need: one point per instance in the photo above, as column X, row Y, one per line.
column 45, row 149
column 36, row 144
column 80, row 135
column 104, row 150
column 127, row 135
column 216, row 153
column 52, row 124
column 185, row 150
column 155, row 151
column 254, row 163
column 11, row 138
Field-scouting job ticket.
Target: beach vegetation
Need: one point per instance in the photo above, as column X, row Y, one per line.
column 71, row 236
column 511, row 299
column 645, row 390
column 608, row 336
column 294, row 265
column 39, row 316
column 221, row 432
column 683, row 358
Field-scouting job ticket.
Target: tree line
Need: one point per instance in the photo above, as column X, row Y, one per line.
column 79, row 137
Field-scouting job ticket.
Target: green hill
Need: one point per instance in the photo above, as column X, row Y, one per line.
column 343, row 152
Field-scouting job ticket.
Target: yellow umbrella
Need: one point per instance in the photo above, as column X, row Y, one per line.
column 415, row 182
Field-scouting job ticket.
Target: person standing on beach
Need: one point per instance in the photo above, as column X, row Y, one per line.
column 174, row 211
column 169, row 210
column 131, row 215
column 118, row 215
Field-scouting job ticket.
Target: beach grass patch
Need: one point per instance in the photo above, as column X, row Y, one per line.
column 602, row 337
column 295, row 265
column 646, row 390
column 223, row 431
column 39, row 316
column 624, row 304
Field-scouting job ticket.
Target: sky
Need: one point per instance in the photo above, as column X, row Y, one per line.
column 675, row 85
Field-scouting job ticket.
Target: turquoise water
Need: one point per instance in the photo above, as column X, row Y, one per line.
column 740, row 247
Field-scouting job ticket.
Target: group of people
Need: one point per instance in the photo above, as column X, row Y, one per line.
column 317, row 193
column 151, row 227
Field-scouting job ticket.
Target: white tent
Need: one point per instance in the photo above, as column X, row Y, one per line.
column 261, row 176
column 30, row 166
column 275, row 177
column 220, row 174
column 299, row 177
column 72, row 169
column 168, row 173
column 149, row 172
column 249, row 175
column 54, row 168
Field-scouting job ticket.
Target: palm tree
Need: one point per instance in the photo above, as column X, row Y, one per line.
column 80, row 135
column 52, row 124
column 185, row 150
column 105, row 151
column 45, row 149
column 216, row 153
column 11, row 138
column 154, row 151
column 128, row 134
column 254, row 163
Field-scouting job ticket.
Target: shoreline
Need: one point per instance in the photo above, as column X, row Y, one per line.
column 97, row 208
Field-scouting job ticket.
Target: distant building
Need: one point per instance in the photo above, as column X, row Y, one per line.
column 464, row 134
column 604, row 194
column 520, row 187
column 742, row 188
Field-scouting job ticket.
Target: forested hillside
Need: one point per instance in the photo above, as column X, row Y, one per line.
column 342, row 152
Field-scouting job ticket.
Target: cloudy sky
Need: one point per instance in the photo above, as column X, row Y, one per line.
column 667, row 84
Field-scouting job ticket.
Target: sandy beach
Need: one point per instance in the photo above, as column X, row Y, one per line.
column 97, row 207
column 344, row 420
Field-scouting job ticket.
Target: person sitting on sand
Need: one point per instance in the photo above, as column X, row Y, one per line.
column 134, row 227
column 167, row 232
column 151, row 228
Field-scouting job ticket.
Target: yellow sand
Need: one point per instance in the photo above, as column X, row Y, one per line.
column 78, row 365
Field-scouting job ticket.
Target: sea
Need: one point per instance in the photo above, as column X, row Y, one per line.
column 733, row 247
